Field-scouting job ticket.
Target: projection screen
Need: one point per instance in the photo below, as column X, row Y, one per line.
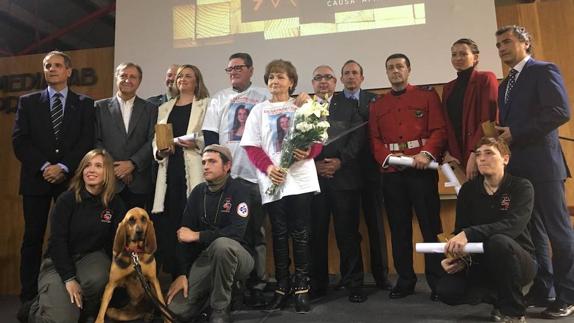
column 157, row 33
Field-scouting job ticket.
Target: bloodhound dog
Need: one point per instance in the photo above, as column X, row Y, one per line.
column 134, row 234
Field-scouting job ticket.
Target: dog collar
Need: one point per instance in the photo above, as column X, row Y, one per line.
column 136, row 250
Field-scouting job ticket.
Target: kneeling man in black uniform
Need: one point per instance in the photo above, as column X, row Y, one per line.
column 493, row 208
column 212, row 252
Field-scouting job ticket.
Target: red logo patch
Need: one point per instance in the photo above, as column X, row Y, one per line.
column 226, row 208
column 106, row 216
column 504, row 202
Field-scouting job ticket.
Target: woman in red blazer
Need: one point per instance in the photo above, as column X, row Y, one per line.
column 468, row 101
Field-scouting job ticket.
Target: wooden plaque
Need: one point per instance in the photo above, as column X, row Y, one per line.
column 163, row 136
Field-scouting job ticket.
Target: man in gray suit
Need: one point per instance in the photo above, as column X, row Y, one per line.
column 125, row 128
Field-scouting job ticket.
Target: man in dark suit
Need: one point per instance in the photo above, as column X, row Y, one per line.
column 125, row 128
column 54, row 129
column 371, row 194
column 170, row 88
column 339, row 178
column 533, row 103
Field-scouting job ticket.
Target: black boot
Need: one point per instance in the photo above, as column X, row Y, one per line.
column 301, row 293
column 281, row 296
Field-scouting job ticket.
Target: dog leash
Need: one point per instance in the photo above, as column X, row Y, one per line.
column 164, row 310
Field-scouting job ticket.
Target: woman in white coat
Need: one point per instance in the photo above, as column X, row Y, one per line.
column 180, row 166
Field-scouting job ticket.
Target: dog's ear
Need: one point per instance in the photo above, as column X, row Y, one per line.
column 120, row 239
column 150, row 244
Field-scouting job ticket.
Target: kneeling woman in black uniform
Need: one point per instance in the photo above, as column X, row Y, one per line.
column 75, row 268
column 493, row 208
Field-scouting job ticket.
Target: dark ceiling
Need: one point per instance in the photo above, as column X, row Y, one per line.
column 39, row 26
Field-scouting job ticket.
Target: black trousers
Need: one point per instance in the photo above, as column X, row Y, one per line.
column 372, row 205
column 344, row 206
column 496, row 277
column 403, row 191
column 132, row 200
column 290, row 218
column 36, row 209
column 551, row 229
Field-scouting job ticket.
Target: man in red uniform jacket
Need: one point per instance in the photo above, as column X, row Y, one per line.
column 409, row 122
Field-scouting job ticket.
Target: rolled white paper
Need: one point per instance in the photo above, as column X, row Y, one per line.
column 408, row 162
column 452, row 180
column 191, row 136
column 438, row 247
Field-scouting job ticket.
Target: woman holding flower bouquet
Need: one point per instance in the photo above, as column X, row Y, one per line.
column 286, row 188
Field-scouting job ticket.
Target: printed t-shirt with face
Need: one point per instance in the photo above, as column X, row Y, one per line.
column 226, row 115
column 263, row 129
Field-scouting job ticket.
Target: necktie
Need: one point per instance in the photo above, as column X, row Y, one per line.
column 510, row 85
column 57, row 115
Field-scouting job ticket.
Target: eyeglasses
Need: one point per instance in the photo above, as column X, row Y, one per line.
column 236, row 68
column 326, row 77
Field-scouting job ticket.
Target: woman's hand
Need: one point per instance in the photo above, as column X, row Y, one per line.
column 189, row 144
column 276, row 174
column 302, row 99
column 452, row 265
column 455, row 246
column 301, row 154
column 161, row 154
column 75, row 291
column 471, row 168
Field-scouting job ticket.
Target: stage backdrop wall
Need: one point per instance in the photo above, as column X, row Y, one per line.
column 547, row 20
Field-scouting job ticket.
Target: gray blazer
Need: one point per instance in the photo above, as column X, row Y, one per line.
column 135, row 145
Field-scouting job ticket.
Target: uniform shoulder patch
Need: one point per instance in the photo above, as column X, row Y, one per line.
column 242, row 209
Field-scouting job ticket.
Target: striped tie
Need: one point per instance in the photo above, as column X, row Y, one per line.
column 510, row 85
column 57, row 115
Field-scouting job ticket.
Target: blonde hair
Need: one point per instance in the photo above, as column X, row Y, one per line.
column 109, row 186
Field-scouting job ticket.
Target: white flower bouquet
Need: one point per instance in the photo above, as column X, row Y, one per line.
column 309, row 126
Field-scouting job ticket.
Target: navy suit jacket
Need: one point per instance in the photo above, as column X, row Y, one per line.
column 537, row 106
column 35, row 144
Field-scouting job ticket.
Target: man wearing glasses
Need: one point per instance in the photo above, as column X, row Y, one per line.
column 223, row 124
column 339, row 178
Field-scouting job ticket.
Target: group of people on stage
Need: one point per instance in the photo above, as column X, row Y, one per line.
column 208, row 193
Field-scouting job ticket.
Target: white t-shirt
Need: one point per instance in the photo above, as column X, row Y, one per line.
column 224, row 115
column 264, row 129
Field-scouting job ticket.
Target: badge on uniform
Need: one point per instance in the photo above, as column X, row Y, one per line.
column 242, row 209
column 106, row 216
column 419, row 113
column 226, row 205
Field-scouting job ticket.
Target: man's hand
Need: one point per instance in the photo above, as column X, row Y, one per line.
column 128, row 179
column 75, row 292
column 455, row 246
column 276, row 174
column 504, row 134
column 301, row 154
column 185, row 234
column 452, row 265
column 421, row 161
column 328, row 166
column 54, row 174
column 123, row 168
column 180, row 283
